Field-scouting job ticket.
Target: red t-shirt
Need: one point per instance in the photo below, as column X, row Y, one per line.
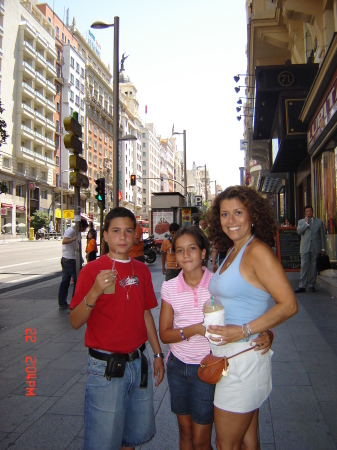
column 115, row 323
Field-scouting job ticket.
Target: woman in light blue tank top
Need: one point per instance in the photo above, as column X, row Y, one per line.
column 256, row 295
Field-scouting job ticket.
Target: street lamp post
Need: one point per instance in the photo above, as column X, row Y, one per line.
column 62, row 172
column 185, row 171
column 115, row 105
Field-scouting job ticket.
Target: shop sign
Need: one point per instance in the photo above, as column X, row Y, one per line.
column 3, row 211
column 31, row 186
column 326, row 110
column 186, row 217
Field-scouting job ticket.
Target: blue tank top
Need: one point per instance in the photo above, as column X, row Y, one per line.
column 242, row 301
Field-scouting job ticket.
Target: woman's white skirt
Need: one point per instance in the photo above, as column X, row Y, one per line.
column 248, row 383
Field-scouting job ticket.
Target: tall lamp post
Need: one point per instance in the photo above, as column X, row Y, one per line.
column 62, row 172
column 115, row 105
column 185, row 172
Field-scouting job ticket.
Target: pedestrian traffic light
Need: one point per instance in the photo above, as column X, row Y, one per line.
column 133, row 180
column 100, row 189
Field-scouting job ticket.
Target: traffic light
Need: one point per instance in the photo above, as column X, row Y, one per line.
column 73, row 142
column 133, row 180
column 100, row 189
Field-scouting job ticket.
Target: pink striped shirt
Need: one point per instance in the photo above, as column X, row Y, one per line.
column 187, row 305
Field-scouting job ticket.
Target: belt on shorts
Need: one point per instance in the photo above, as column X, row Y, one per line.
column 128, row 357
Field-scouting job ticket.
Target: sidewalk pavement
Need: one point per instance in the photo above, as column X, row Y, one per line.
column 300, row 414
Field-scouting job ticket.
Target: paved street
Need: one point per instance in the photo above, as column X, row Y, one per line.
column 301, row 413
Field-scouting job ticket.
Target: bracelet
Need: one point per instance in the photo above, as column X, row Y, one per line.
column 87, row 304
column 158, row 355
column 246, row 331
column 182, row 335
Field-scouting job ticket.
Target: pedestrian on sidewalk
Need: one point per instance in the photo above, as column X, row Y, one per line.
column 137, row 250
column 168, row 258
column 68, row 263
column 312, row 245
column 91, row 248
column 249, row 278
column 114, row 295
column 180, row 325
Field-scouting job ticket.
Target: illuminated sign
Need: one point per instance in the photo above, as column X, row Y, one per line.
column 91, row 40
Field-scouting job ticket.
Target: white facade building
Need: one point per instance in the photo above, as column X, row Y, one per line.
column 27, row 63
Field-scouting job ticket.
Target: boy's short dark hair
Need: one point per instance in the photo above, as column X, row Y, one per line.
column 119, row 212
column 308, row 207
column 174, row 227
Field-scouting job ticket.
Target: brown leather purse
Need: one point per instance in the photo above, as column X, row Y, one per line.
column 212, row 368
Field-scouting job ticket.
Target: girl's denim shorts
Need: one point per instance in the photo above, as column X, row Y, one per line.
column 189, row 395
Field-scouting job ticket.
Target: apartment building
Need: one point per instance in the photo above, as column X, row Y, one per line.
column 150, row 173
column 27, row 161
column 97, row 118
column 130, row 151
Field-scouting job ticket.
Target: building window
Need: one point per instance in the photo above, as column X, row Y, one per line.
column 21, row 167
column 72, row 62
column 95, row 160
column 95, row 146
column 20, row 190
column 77, row 68
column 100, row 134
column 100, row 149
column 71, row 95
column 58, row 106
column 90, row 126
column 57, row 31
column 5, row 162
column 77, row 100
column 72, row 78
column 89, row 157
column 90, row 142
column 82, row 72
column 44, row 194
column 57, row 89
column 95, row 130
column 57, row 160
column 63, row 37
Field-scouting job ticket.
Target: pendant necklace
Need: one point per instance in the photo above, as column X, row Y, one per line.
column 126, row 280
column 235, row 252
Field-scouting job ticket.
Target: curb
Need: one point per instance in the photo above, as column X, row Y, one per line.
column 41, row 279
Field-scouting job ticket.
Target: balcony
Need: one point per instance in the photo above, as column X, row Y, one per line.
column 50, row 125
column 27, row 151
column 27, row 111
column 40, row 118
column 50, row 160
column 28, row 69
column 26, row 131
column 29, row 29
column 50, row 144
column 2, row 8
column 51, row 88
column 29, row 50
column 41, row 60
column 39, row 98
column 50, row 106
column 39, row 138
column 41, row 40
column 52, row 51
column 28, row 90
column 51, row 69
column 41, row 81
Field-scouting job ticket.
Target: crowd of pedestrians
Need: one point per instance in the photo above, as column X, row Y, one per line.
column 114, row 295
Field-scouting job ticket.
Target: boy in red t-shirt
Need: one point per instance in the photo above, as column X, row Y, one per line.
column 167, row 255
column 113, row 296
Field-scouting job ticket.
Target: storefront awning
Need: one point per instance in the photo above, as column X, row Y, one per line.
column 6, row 205
column 20, row 208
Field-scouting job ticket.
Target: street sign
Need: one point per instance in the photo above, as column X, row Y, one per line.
column 3, row 211
column 31, row 186
column 198, row 200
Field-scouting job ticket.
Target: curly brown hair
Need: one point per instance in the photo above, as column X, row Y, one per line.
column 260, row 212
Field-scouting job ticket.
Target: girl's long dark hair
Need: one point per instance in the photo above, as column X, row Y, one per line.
column 199, row 237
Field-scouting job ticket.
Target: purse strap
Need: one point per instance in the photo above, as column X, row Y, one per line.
column 243, row 351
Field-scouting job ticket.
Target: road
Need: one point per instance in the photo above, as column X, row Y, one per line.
column 23, row 261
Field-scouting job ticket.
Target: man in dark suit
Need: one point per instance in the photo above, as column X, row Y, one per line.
column 312, row 245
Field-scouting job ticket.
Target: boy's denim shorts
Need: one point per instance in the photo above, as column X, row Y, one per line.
column 118, row 412
column 189, row 395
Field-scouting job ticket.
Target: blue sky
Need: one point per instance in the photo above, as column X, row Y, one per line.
column 183, row 55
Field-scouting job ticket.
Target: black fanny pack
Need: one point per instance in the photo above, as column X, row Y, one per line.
column 116, row 363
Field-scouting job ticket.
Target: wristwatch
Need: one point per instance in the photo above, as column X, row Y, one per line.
column 158, row 355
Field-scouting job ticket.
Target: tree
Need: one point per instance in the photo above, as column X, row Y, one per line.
column 39, row 220
column 3, row 126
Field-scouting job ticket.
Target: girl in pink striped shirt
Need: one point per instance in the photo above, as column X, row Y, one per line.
column 180, row 325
